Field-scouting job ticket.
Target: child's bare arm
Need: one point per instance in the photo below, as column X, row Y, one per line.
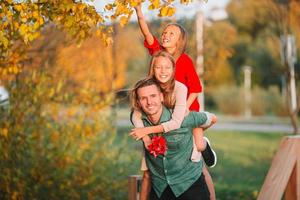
column 143, row 25
column 191, row 98
column 139, row 133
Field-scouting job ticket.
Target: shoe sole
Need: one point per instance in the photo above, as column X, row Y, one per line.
column 215, row 155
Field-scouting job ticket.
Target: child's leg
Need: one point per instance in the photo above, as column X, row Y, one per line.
column 202, row 144
column 146, row 186
column 198, row 138
column 209, row 183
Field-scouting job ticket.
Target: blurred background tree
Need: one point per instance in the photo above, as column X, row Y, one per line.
column 259, row 45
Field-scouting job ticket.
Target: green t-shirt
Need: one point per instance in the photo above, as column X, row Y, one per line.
column 175, row 168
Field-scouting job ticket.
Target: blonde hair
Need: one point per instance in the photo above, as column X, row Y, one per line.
column 168, row 87
column 140, row 84
column 181, row 43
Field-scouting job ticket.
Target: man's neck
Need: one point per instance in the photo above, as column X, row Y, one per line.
column 155, row 117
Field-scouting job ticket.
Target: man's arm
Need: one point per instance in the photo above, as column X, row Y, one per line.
column 143, row 25
column 198, row 119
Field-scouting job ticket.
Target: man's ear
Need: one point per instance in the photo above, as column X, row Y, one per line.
column 138, row 103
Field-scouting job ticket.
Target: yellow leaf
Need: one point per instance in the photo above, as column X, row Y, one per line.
column 36, row 25
column 40, row 20
column 134, row 3
column 35, row 14
column 185, row 1
column 109, row 7
column 151, row 7
column 123, row 20
column 23, row 19
column 23, row 29
column 4, row 132
column 51, row 92
column 15, row 70
column 3, row 40
column 18, row 7
column 16, row 25
column 163, row 11
column 171, row 11
column 156, row 4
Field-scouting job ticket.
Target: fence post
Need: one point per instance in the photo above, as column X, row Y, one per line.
column 134, row 187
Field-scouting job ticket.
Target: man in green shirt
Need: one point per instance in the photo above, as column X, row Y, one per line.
column 173, row 175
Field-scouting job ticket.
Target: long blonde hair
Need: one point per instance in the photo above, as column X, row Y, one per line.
column 168, row 87
column 181, row 43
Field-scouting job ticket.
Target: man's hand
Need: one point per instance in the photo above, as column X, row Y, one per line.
column 138, row 133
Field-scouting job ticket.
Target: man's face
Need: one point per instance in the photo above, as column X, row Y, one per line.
column 150, row 99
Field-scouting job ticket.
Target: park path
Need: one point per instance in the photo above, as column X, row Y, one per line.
column 238, row 126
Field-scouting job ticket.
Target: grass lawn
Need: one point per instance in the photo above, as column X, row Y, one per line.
column 243, row 161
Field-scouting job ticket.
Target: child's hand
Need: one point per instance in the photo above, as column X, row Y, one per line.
column 147, row 141
column 138, row 7
column 212, row 121
column 138, row 133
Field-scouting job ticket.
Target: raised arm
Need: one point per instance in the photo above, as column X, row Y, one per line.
column 143, row 25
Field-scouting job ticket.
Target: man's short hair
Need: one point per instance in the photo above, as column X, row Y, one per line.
column 140, row 84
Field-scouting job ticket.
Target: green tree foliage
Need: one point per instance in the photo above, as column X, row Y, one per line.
column 260, row 24
column 55, row 148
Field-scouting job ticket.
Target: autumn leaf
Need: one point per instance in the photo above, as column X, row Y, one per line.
column 123, row 20
column 171, row 11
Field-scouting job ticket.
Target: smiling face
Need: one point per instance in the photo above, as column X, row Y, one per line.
column 150, row 100
column 170, row 37
column 163, row 69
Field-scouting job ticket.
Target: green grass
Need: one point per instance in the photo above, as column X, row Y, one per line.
column 243, row 161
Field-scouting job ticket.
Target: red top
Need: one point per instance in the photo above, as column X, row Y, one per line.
column 185, row 72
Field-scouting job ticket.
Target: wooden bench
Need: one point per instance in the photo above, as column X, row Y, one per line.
column 283, row 178
column 134, row 187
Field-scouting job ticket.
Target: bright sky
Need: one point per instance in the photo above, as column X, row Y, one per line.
column 182, row 10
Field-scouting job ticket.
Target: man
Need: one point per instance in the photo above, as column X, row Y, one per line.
column 173, row 175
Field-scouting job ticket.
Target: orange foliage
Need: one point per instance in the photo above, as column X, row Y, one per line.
column 220, row 37
column 96, row 67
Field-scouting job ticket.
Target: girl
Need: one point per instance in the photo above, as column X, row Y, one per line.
column 162, row 69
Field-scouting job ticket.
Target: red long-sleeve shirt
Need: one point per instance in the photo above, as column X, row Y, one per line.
column 185, row 72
